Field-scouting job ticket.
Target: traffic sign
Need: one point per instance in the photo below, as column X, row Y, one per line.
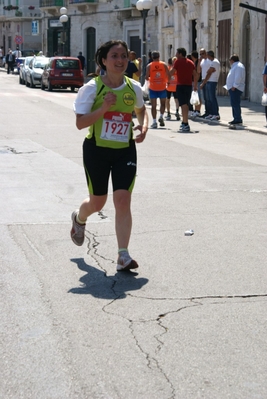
column 18, row 39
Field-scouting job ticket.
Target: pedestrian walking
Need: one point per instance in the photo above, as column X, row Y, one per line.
column 186, row 73
column 10, row 60
column 211, row 81
column 158, row 75
column 105, row 105
column 82, row 59
column 235, row 84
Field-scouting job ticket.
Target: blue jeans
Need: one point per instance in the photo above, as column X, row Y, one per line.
column 204, row 92
column 212, row 99
column 235, row 100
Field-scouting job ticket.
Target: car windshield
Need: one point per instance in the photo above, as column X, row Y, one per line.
column 40, row 63
column 27, row 61
column 67, row 64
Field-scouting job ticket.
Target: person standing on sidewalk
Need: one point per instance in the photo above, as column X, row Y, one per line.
column 235, row 84
column 211, row 80
column 202, row 70
column 264, row 77
column 186, row 73
column 171, row 90
column 158, row 75
column 105, row 105
column 196, row 61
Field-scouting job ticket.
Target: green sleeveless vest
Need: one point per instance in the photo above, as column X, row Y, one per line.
column 114, row 129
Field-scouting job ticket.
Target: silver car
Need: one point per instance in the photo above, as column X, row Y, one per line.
column 23, row 70
column 35, row 71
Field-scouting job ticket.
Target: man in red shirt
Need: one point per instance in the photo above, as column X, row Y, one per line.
column 186, row 73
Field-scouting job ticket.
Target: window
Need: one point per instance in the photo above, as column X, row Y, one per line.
column 225, row 5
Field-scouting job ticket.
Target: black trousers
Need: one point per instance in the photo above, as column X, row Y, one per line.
column 10, row 67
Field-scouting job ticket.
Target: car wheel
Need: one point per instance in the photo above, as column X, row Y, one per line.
column 50, row 87
column 72, row 88
column 31, row 84
column 27, row 83
column 20, row 81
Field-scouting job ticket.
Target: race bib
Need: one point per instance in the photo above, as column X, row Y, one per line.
column 116, row 126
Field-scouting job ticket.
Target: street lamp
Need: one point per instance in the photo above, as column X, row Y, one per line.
column 63, row 19
column 144, row 6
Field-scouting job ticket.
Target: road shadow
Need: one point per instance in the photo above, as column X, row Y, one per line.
column 96, row 282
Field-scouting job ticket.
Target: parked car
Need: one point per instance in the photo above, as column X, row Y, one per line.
column 62, row 72
column 23, row 70
column 35, row 71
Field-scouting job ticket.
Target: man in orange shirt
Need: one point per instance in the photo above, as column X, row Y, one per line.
column 158, row 75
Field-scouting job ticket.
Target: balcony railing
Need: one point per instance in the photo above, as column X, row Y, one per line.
column 82, row 1
column 52, row 3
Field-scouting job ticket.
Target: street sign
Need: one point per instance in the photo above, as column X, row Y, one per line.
column 18, row 39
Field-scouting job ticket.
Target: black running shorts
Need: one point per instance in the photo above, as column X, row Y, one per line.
column 100, row 162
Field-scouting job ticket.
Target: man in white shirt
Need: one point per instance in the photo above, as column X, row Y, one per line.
column 235, row 84
column 17, row 52
column 202, row 69
column 211, row 81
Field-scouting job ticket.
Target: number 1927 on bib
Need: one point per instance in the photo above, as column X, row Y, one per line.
column 116, row 126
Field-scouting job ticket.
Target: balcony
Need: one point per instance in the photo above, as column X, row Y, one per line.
column 52, row 6
column 83, row 5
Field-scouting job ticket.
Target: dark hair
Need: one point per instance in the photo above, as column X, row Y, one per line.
column 234, row 58
column 103, row 50
column 155, row 55
column 211, row 53
column 181, row 50
column 194, row 54
column 170, row 61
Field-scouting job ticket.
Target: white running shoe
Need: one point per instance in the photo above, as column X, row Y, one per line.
column 125, row 262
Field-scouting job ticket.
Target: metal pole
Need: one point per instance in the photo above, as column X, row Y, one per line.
column 253, row 8
column 144, row 15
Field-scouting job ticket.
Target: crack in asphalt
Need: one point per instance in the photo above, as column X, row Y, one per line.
column 152, row 362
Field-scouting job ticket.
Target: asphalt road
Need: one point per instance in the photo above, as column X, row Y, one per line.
column 190, row 323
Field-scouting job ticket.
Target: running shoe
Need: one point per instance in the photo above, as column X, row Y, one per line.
column 77, row 231
column 168, row 117
column 161, row 122
column 185, row 128
column 154, row 125
column 235, row 122
column 209, row 117
column 177, row 116
column 215, row 118
column 181, row 127
column 125, row 262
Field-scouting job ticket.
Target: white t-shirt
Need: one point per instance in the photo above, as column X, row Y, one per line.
column 87, row 94
column 214, row 77
column 204, row 65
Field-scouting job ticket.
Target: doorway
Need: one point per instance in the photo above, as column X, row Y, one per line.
column 90, row 50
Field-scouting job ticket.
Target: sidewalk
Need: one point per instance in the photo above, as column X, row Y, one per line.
column 253, row 115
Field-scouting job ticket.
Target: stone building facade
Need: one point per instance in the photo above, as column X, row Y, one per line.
column 219, row 25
